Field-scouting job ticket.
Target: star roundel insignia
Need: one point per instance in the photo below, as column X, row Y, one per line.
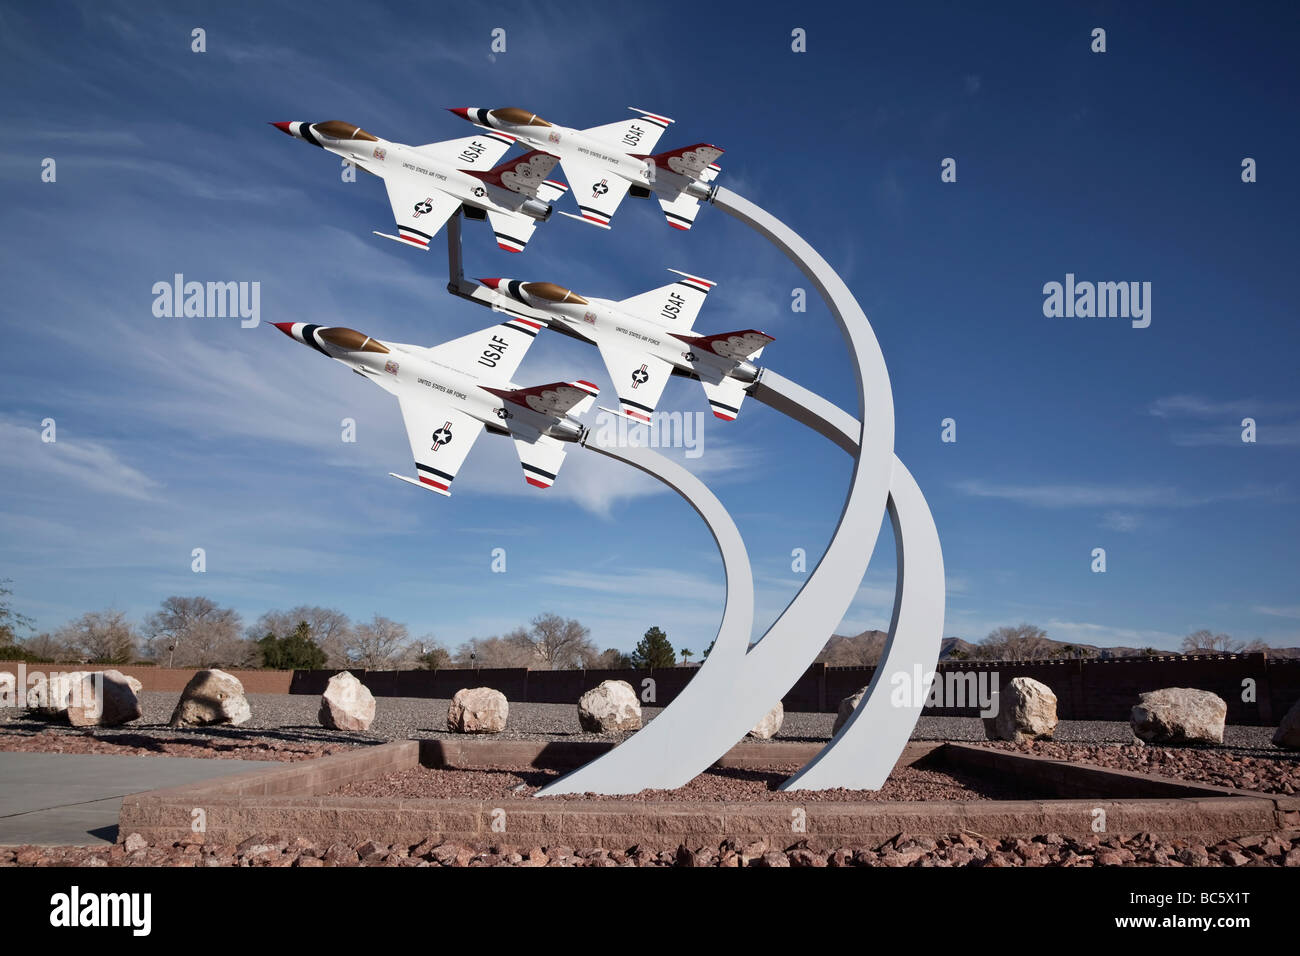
column 600, row 188
column 690, row 356
column 640, row 376
column 423, row 206
column 441, row 437
column 480, row 192
column 502, row 414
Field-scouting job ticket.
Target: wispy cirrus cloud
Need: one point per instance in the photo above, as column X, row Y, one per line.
column 86, row 462
column 1219, row 422
column 1110, row 496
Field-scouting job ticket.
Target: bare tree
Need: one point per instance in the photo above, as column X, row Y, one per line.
column 514, row 650
column 46, row 647
column 1205, row 642
column 329, row 629
column 1023, row 642
column 379, row 644
column 558, row 643
column 99, row 637
column 195, row 632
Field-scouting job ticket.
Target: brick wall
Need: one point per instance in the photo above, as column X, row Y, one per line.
column 1085, row 689
column 172, row 679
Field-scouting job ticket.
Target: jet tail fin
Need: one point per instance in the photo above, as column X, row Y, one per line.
column 419, row 484
column 725, row 397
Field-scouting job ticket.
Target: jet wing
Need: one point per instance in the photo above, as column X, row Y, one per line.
column 480, row 151
column 419, row 209
column 597, row 191
column 637, row 134
column 440, row 437
column 674, row 306
column 492, row 354
column 638, row 378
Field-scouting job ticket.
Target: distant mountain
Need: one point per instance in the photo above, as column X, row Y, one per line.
column 865, row 649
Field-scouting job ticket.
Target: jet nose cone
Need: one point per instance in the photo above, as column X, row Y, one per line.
column 285, row 327
column 461, row 111
column 491, row 283
column 282, row 127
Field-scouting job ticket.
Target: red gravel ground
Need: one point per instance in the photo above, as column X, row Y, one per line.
column 961, row 849
column 905, row 783
column 1266, row 773
column 247, row 748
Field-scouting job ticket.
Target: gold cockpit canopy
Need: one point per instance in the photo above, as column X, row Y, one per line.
column 553, row 293
column 351, row 340
column 517, row 117
column 337, row 129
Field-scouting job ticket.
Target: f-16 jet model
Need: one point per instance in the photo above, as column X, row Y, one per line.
column 450, row 393
column 647, row 338
column 427, row 184
column 604, row 162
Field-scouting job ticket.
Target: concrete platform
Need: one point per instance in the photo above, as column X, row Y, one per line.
column 75, row 799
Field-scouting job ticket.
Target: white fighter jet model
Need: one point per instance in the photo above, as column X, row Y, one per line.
column 427, row 184
column 604, row 162
column 450, row 393
column 645, row 339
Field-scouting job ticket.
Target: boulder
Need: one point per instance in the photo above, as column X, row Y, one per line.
column 768, row 727
column 134, row 684
column 49, row 695
column 611, row 707
column 106, row 702
column 347, row 704
column 847, row 706
column 1026, row 710
column 1179, row 715
column 478, row 710
column 1288, row 732
column 211, row 697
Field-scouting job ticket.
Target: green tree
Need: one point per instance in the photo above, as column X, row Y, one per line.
column 296, row 651
column 687, row 654
column 654, row 651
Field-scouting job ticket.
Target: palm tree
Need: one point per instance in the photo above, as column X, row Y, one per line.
column 687, row 654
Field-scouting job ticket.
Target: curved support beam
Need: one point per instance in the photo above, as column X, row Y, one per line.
column 694, row 731
column 737, row 615
column 862, row 755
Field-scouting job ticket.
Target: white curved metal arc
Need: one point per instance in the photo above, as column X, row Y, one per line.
column 695, row 730
column 737, row 615
column 863, row 753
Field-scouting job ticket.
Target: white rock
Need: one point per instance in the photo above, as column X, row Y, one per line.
column 847, row 706
column 347, row 704
column 106, row 701
column 611, row 707
column 1026, row 711
column 211, row 697
column 770, row 725
column 1288, row 732
column 49, row 695
column 478, row 710
column 1178, row 715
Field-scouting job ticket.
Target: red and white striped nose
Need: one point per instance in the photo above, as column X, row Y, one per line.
column 508, row 287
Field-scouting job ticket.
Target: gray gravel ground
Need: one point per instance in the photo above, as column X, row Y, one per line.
column 293, row 718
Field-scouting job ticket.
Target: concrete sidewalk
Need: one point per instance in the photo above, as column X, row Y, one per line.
column 74, row 799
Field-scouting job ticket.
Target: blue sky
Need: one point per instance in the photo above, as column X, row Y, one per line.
column 1072, row 433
